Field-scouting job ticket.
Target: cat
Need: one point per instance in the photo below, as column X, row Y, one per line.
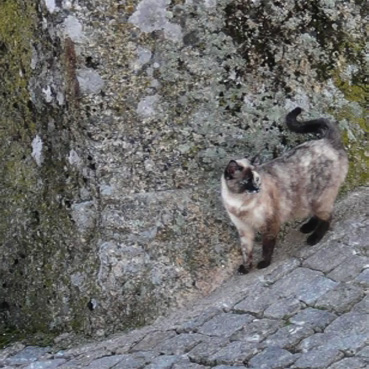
column 303, row 182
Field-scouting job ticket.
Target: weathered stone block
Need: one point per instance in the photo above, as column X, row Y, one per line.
column 257, row 302
column 46, row 364
column 204, row 350
column 27, row 355
column 304, row 284
column 287, row 337
column 256, row 330
column 225, row 324
column 273, row 358
column 328, row 257
column 341, row 298
column 349, row 269
column 348, row 333
column 313, row 318
column 165, row 362
column 152, row 340
column 283, row 308
column 319, row 358
column 350, row 363
column 362, row 306
column 110, row 361
column 234, row 353
column 180, row 344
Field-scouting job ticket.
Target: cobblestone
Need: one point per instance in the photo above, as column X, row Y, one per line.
column 234, row 353
column 283, row 308
column 307, row 311
column 350, row 363
column 272, row 358
column 349, row 269
column 335, row 254
column 288, row 336
column 313, row 318
column 362, row 306
column 319, row 358
column 224, row 325
column 256, row 302
column 257, row 330
column 341, row 298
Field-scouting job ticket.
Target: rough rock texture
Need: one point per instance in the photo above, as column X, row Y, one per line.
column 117, row 118
column 214, row 333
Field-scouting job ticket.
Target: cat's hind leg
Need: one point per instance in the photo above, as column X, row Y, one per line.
column 324, row 217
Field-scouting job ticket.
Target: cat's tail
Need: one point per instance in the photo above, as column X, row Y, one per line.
column 323, row 126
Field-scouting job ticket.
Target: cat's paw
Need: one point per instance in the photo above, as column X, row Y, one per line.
column 313, row 239
column 310, row 225
column 263, row 264
column 243, row 270
column 307, row 228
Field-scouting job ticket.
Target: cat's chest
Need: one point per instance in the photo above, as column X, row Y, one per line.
column 251, row 212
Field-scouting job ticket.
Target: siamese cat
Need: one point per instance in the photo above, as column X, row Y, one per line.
column 303, row 182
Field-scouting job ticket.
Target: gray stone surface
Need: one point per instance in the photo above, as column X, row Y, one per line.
column 272, row 358
column 229, row 367
column 349, row 269
column 289, row 336
column 256, row 330
column 256, row 302
column 313, row 318
column 363, row 277
column 152, row 340
column 362, row 306
column 364, row 352
column 341, row 298
column 164, row 362
column 350, row 363
column 336, row 254
column 180, row 344
column 319, row 358
column 106, row 362
column 289, row 316
column 283, row 308
column 27, row 355
column 46, row 364
column 234, row 353
column 304, row 284
column 224, row 325
column 348, row 333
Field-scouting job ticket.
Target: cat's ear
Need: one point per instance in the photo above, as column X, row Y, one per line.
column 231, row 169
column 256, row 180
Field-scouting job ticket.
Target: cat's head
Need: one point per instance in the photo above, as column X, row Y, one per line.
column 241, row 177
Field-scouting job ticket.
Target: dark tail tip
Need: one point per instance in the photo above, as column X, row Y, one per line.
column 295, row 112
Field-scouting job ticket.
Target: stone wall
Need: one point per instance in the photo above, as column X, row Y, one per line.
column 117, row 118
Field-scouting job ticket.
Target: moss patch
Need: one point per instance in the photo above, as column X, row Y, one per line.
column 356, row 138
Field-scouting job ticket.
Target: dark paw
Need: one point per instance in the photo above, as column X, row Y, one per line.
column 306, row 228
column 310, row 225
column 314, row 239
column 263, row 264
column 243, row 270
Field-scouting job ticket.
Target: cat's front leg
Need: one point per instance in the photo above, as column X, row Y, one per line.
column 269, row 241
column 247, row 245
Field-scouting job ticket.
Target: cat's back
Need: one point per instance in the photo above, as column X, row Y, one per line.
column 312, row 158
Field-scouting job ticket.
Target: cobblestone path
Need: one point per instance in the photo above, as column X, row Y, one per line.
column 307, row 310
